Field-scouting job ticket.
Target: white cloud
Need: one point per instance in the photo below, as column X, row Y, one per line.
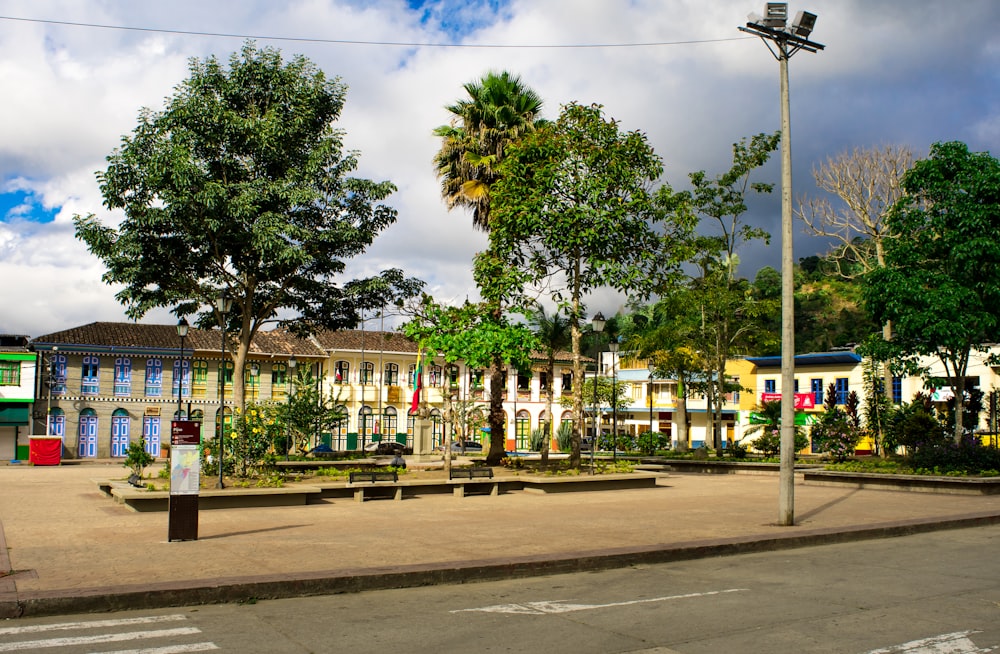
column 892, row 72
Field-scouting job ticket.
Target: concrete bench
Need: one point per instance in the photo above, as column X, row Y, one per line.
column 363, row 480
column 477, row 477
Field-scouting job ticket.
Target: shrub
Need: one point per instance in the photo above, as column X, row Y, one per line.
column 538, row 437
column 649, row 442
column 564, row 437
column 835, row 434
column 769, row 443
column 136, row 460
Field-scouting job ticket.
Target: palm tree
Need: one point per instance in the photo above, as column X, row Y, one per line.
column 555, row 336
column 500, row 110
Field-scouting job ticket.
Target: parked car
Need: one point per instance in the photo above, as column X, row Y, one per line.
column 471, row 447
column 387, row 447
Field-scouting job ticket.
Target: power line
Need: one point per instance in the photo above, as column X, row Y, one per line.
column 402, row 44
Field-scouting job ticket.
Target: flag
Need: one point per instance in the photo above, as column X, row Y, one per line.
column 417, row 374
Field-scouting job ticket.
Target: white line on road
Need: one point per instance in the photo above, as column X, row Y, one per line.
column 102, row 638
column 954, row 643
column 172, row 649
column 560, row 606
column 94, row 624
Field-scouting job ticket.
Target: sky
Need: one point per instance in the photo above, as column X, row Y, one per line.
column 902, row 73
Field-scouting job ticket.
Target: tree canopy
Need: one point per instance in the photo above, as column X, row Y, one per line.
column 241, row 186
column 940, row 285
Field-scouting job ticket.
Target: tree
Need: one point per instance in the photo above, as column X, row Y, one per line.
column 499, row 111
column 554, row 336
column 240, row 186
column 866, row 182
column 573, row 208
column 940, row 285
column 468, row 333
column 728, row 307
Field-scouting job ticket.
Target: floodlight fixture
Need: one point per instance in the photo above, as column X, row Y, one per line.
column 775, row 15
column 803, row 24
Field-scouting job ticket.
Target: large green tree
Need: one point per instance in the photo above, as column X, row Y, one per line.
column 940, row 285
column 241, row 186
column 468, row 333
column 500, row 110
column 728, row 309
column 573, row 209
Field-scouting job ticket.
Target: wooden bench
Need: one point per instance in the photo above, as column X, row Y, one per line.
column 476, row 476
column 376, row 479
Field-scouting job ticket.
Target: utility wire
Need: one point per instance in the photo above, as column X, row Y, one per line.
column 402, row 44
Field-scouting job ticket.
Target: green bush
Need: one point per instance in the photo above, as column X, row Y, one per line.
column 538, row 437
column 649, row 442
column 137, row 458
column 564, row 437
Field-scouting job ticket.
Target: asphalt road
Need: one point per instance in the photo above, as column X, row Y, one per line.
column 931, row 593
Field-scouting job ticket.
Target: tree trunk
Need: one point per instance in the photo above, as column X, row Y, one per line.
column 683, row 438
column 497, row 435
column 550, row 399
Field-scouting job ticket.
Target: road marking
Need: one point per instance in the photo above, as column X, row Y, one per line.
column 560, row 606
column 101, row 638
column 95, row 624
column 172, row 649
column 954, row 643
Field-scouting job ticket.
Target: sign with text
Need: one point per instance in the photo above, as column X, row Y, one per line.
column 185, row 480
column 802, row 400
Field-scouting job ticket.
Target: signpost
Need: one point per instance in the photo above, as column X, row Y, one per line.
column 185, row 480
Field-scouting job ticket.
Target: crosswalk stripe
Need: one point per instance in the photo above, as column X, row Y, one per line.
column 171, row 649
column 94, row 624
column 101, row 638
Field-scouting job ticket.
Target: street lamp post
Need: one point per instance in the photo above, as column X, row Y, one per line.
column 786, row 40
column 224, row 303
column 182, row 331
column 613, row 346
column 292, row 363
column 597, row 322
column 651, row 369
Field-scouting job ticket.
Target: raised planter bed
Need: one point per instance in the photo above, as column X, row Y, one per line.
column 139, row 499
column 913, row 483
column 728, row 467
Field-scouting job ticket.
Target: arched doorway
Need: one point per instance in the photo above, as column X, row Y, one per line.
column 87, row 436
column 119, row 433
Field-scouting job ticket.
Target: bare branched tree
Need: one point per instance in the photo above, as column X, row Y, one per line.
column 865, row 184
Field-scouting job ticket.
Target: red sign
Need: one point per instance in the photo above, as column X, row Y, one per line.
column 185, row 432
column 802, row 400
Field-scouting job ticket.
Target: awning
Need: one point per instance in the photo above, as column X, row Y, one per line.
column 14, row 415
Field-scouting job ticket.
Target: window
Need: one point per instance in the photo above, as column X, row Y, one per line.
column 251, row 380
column 816, row 386
column 476, row 378
column 182, row 377
column 57, row 374
column 567, row 381
column 523, row 381
column 199, row 378
column 279, row 381
column 796, row 386
column 123, row 377
column 436, row 377
column 897, row 390
column 452, row 373
column 367, row 372
column 342, row 372
column 842, row 391
column 391, row 374
column 90, row 376
column 522, row 430
column 769, row 386
column 366, row 423
column 437, row 427
column 735, row 393
column 411, row 373
column 10, row 373
column 543, row 381
column 154, row 378
column 226, row 373
column 389, row 422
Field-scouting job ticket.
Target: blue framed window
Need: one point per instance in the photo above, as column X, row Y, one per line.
column 841, row 385
column 123, row 377
column 57, row 374
column 57, row 423
column 182, row 374
column 90, row 376
column 770, row 386
column 154, row 378
column 816, row 386
column 897, row 390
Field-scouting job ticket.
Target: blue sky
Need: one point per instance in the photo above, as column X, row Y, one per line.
column 908, row 73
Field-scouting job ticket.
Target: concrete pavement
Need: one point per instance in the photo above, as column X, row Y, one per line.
column 71, row 549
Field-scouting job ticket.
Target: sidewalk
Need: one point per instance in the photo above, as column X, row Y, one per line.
column 72, row 549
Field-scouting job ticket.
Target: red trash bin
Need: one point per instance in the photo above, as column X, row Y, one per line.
column 45, row 451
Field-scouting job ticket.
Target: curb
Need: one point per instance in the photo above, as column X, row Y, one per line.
column 281, row 586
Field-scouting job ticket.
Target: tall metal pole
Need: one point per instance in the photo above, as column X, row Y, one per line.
column 597, row 323
column 786, row 493
column 787, row 40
